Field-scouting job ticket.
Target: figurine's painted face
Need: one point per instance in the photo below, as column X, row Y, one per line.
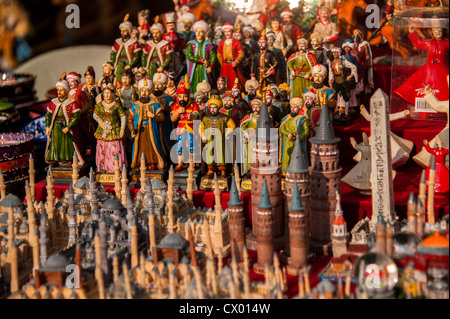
column 228, row 33
column 256, row 108
column 220, row 85
column 317, row 78
column 324, row 15
column 108, row 95
column 170, row 27
column 61, row 92
column 283, row 94
column 247, row 34
column 138, row 76
column 336, row 55
column 145, row 92
column 183, row 99
column 287, row 19
column 237, row 36
column 200, row 99
column 125, row 34
column 268, row 99
column 142, row 20
column 73, row 83
column 187, row 25
column 214, row 109
column 144, row 33
column 270, row 41
column 315, row 43
column 227, row 103
column 309, row 100
column 275, row 26
column 274, row 91
column 437, row 33
column 251, row 90
column 262, row 44
column 126, row 80
column 199, row 34
column 218, row 34
column 235, row 92
column 295, row 109
column 156, row 35
column 89, row 79
column 159, row 86
column 347, row 49
column 106, row 71
column 302, row 46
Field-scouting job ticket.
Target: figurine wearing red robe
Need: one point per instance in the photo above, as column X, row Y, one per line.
column 271, row 8
column 230, row 54
column 441, row 186
column 177, row 43
column 433, row 72
column 327, row 29
column 290, row 29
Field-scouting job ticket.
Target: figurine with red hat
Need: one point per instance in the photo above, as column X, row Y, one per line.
column 201, row 56
column 64, row 137
column 240, row 103
column 290, row 29
column 325, row 27
column 441, row 182
column 230, row 55
column 144, row 123
column 86, row 109
column 270, row 10
column 184, row 112
column 126, row 50
column 230, row 109
column 177, row 43
column 249, row 48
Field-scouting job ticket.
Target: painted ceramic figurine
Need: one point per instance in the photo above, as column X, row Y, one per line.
column 248, row 127
column 64, row 137
column 433, row 72
column 214, row 130
column 317, row 48
column 248, row 33
column 241, row 103
column 222, row 84
column 144, row 123
column 127, row 93
column 92, row 90
column 327, row 29
column 108, row 74
column 441, row 186
column 249, row 51
column 274, row 112
column 423, row 158
column 201, row 56
column 400, row 147
column 282, row 40
column 251, row 87
column 299, row 66
column 319, row 73
column 312, row 110
column 281, row 71
column 290, row 29
column 157, row 55
column 143, row 18
column 231, row 110
column 264, row 64
column 184, row 111
column 294, row 126
column 347, row 47
column 218, row 35
column 110, row 133
column 188, row 20
column 177, row 44
column 125, row 51
column 230, row 54
column 363, row 53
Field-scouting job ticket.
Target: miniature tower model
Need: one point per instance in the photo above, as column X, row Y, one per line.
column 93, row 199
column 237, row 178
column 219, row 240
column 170, row 192
column 51, row 207
column 297, row 172
column 32, row 173
column 265, row 230
column 43, row 239
column 190, row 181
column 266, row 167
column 74, row 168
column 431, row 182
column 143, row 170
column 2, row 186
column 381, row 235
column 411, row 213
column 123, row 191
column 72, row 214
column 117, row 184
column 298, row 234
column 339, row 238
column 325, row 182
column 236, row 223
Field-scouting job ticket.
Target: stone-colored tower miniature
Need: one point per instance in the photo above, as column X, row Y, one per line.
column 297, row 172
column 143, row 171
column 237, row 178
column 265, row 230
column 389, row 235
column 266, row 167
column 421, row 198
column 411, row 212
column 32, row 173
column 236, row 223
column 72, row 215
column 2, row 186
column 298, row 233
column 43, row 239
column 219, row 241
column 75, row 174
column 123, row 191
column 381, row 235
column 93, row 199
column 50, row 208
column 170, row 193
column 117, row 184
column 340, row 234
column 430, row 200
column 325, row 182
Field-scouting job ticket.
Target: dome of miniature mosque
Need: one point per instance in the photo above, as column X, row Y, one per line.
column 81, row 200
column 11, row 200
column 173, row 241
column 56, row 263
column 82, row 183
column 24, row 227
column 158, row 184
column 435, row 244
column 112, row 204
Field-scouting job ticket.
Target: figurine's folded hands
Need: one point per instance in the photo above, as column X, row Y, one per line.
column 65, row 130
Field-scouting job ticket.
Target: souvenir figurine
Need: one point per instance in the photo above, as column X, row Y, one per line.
column 201, row 56
column 125, row 51
column 273, row 87
column 340, row 82
column 231, row 110
column 143, row 122
column 359, row 177
column 433, row 72
column 317, row 48
column 423, row 158
column 248, row 33
column 64, row 137
column 108, row 74
column 312, row 109
column 238, row 101
column 294, row 126
column 251, row 87
column 400, row 147
column 166, row 102
column 127, row 93
column 284, row 94
column 249, row 51
column 171, row 88
column 326, row 28
column 177, row 44
column 300, row 65
column 139, row 74
column 214, row 129
column 218, row 35
column 441, row 181
column 230, row 55
column 363, row 53
column 347, row 47
column 319, row 73
column 201, row 99
column 282, row 41
column 264, row 63
column 143, row 19
column 110, row 133
column 157, row 54
column 332, row 5
column 290, row 29
column 274, row 112
column 280, row 74
column 92, row 90
column 248, row 127
column 188, row 20
column 144, row 36
column 185, row 112
column 222, row 84
column 86, row 123
column 270, row 10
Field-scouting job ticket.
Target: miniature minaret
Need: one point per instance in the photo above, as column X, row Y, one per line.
column 134, row 246
column 389, row 234
column 206, row 231
column 381, row 235
column 32, row 173
column 266, row 167
column 72, row 215
column 264, row 236
column 35, row 249
column 298, row 233
column 43, row 239
column 75, row 174
column 236, row 222
column 123, row 191
column 30, row 208
column 297, row 172
column 411, row 212
column 51, row 207
column 14, row 284
column 325, row 182
column 237, row 177
column 422, row 189
column 218, row 229
column 2, row 186
column 143, row 173
column 93, row 198
column 431, row 182
column 117, row 184
column 190, row 181
column 170, row 193
column 98, row 267
column 151, row 231
column 339, row 237
column 420, row 219
column 102, row 231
